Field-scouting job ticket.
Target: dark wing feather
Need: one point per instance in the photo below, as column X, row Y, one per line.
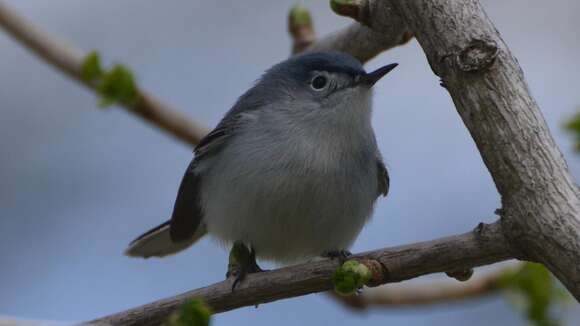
column 252, row 100
column 212, row 142
column 383, row 177
column 187, row 213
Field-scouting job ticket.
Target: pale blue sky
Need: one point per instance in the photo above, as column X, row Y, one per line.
column 78, row 183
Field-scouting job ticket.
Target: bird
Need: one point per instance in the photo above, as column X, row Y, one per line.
column 292, row 171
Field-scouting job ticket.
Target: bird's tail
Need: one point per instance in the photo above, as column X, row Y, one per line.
column 157, row 242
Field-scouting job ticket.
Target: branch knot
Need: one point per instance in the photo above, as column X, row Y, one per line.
column 379, row 272
column 478, row 55
column 356, row 9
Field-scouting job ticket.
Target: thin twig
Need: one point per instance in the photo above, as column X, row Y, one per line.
column 484, row 246
column 69, row 60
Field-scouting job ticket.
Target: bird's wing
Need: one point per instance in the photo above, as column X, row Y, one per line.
column 214, row 141
column 187, row 212
column 383, row 178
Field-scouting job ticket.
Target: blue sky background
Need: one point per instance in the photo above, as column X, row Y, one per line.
column 77, row 183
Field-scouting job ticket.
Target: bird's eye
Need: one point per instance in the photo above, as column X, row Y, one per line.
column 318, row 82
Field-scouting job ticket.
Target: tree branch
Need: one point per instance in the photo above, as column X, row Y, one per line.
column 69, row 60
column 483, row 246
column 378, row 30
column 541, row 202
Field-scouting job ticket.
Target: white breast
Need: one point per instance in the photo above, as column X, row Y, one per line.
column 289, row 193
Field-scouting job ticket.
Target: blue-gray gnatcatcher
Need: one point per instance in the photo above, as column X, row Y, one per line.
column 292, row 171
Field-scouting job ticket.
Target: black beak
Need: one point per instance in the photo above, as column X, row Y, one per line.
column 371, row 78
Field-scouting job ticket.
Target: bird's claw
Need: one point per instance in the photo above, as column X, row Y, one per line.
column 341, row 255
column 242, row 262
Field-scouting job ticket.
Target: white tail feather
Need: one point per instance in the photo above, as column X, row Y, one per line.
column 157, row 242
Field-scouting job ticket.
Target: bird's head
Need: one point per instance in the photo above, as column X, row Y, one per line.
column 323, row 80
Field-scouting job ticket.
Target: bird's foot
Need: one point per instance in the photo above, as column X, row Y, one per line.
column 242, row 262
column 341, row 255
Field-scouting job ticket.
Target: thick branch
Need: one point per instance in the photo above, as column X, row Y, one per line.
column 483, row 246
column 541, row 202
column 69, row 60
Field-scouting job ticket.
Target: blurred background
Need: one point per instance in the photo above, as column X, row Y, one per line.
column 77, row 183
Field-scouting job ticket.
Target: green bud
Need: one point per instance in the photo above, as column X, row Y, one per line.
column 573, row 126
column 91, row 68
column 350, row 277
column 118, row 86
column 300, row 16
column 192, row 313
column 533, row 290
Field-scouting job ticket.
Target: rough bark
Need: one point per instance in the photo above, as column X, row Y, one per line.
column 483, row 246
column 541, row 202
